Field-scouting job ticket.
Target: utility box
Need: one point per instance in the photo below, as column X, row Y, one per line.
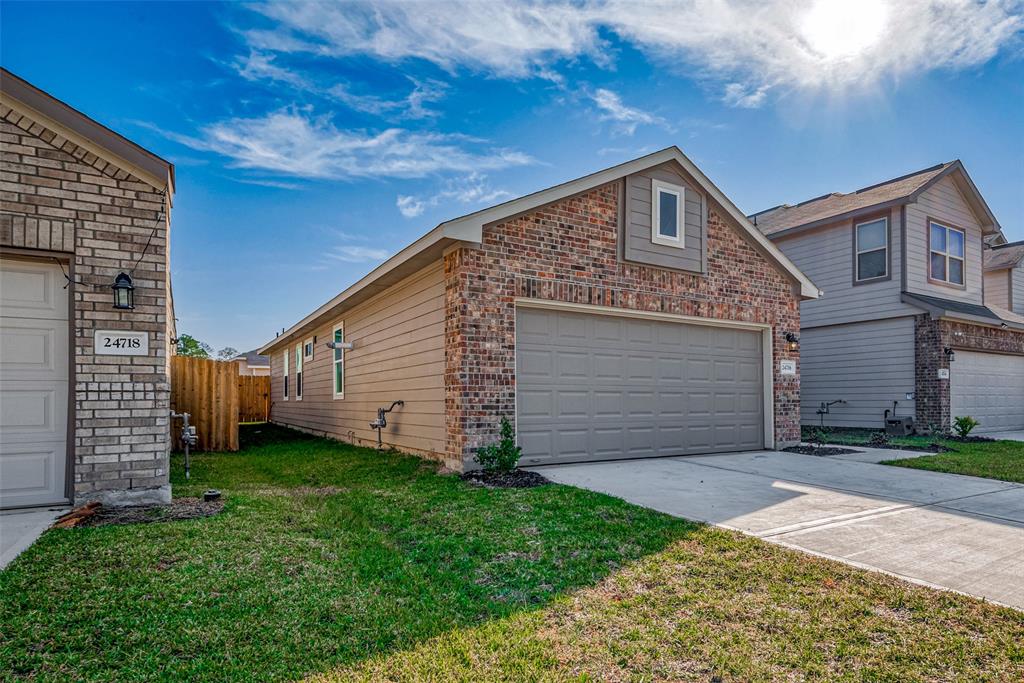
column 899, row 426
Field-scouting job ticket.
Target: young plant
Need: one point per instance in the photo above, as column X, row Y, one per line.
column 502, row 456
column 819, row 436
column 963, row 425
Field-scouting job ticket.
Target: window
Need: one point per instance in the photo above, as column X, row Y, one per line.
column 307, row 350
column 298, row 372
column 339, row 361
column 946, row 254
column 872, row 248
column 286, row 374
column 668, row 226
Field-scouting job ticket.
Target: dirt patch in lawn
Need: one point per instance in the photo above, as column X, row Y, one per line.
column 516, row 479
column 179, row 509
column 820, row 450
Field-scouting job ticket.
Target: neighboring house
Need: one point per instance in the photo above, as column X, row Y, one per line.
column 1004, row 277
column 633, row 312
column 252, row 363
column 84, row 386
column 904, row 323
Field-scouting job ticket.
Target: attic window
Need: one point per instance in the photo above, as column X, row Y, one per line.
column 668, row 226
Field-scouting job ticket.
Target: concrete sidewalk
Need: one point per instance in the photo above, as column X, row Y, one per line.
column 20, row 528
column 943, row 530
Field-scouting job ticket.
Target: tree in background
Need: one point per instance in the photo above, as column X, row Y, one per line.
column 192, row 347
column 227, row 353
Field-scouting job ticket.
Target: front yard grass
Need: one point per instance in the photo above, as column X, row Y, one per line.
column 990, row 459
column 338, row 563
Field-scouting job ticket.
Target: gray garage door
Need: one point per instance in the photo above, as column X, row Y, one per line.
column 601, row 387
column 990, row 388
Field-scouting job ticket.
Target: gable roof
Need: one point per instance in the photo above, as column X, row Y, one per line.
column 68, row 122
column 253, row 359
column 838, row 206
column 1004, row 256
column 469, row 229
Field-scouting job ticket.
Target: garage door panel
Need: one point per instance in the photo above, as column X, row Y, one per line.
column 33, row 383
column 637, row 388
column 990, row 388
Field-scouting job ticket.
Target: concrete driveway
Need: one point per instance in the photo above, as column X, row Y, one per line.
column 943, row 530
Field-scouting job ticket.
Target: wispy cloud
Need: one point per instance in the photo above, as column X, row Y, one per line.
column 411, row 106
column 626, row 118
column 356, row 254
column 473, row 188
column 294, row 142
column 749, row 49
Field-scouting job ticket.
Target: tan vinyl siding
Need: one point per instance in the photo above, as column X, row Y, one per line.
column 638, row 246
column 997, row 288
column 398, row 355
column 943, row 203
column 1017, row 290
column 869, row 365
column 826, row 256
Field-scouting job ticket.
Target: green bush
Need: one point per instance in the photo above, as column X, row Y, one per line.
column 502, row 456
column 964, row 424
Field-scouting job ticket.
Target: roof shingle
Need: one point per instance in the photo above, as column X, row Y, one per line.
column 785, row 216
column 1005, row 256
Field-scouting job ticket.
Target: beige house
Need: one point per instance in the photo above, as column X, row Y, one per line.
column 633, row 312
column 252, row 364
column 1004, row 277
column 84, row 369
column 914, row 322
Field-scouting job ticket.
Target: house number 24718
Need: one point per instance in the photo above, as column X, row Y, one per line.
column 121, row 343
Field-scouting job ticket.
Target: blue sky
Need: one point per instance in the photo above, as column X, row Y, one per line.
column 313, row 140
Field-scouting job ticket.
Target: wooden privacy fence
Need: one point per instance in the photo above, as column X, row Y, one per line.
column 253, row 398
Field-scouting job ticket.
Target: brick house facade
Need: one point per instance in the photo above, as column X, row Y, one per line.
column 78, row 196
column 454, row 300
column 569, row 252
column 931, row 337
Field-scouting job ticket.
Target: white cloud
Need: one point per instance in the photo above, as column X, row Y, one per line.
column 410, row 106
column 626, row 117
column 748, row 48
column 294, row 142
column 409, row 206
column 260, row 66
column 473, row 188
column 356, row 254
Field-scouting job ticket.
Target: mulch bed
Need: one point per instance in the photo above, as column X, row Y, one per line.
column 516, row 479
column 179, row 509
column 823, row 450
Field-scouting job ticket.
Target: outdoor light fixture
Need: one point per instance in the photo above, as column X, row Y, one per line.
column 950, row 354
column 124, row 292
column 793, row 340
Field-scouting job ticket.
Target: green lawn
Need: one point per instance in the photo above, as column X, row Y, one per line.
column 337, row 563
column 992, row 460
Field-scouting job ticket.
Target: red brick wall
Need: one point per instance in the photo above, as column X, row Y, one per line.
column 568, row 251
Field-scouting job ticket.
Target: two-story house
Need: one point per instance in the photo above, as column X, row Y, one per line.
column 905, row 325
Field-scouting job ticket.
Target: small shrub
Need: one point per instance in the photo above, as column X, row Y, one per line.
column 819, row 436
column 879, row 440
column 963, row 425
column 502, row 456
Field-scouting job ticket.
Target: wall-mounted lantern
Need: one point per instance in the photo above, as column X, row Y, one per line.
column 792, row 341
column 124, row 292
column 950, row 354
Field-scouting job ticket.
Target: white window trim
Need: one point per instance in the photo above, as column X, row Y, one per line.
column 309, row 343
column 299, row 370
column 947, row 254
column 858, row 251
column 284, row 384
column 334, row 362
column 679, row 241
